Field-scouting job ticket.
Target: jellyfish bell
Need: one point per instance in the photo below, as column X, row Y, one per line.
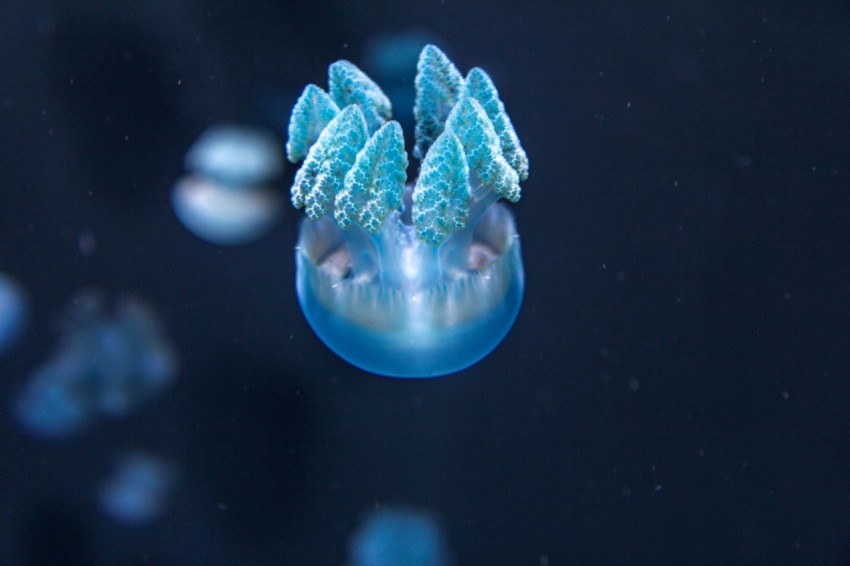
column 236, row 155
column 222, row 214
column 416, row 322
column 394, row 535
column 139, row 489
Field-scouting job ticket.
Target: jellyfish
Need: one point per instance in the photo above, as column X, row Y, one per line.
column 14, row 311
column 225, row 199
column 399, row 536
column 107, row 363
column 138, row 490
column 401, row 279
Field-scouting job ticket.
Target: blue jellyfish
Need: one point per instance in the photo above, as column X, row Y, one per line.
column 225, row 199
column 13, row 312
column 138, row 490
column 399, row 536
column 407, row 279
column 107, row 364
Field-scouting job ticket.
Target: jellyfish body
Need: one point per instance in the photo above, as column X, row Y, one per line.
column 138, row 490
column 407, row 280
column 224, row 215
column 400, row 536
column 107, row 364
column 420, row 322
column 13, row 312
column 225, row 199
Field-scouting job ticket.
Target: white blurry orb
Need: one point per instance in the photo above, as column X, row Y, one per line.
column 227, row 198
column 13, row 312
column 222, row 214
column 139, row 489
column 236, row 155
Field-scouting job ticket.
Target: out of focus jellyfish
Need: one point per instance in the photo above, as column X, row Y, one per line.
column 13, row 312
column 407, row 280
column 226, row 197
column 399, row 536
column 391, row 59
column 138, row 490
column 107, row 363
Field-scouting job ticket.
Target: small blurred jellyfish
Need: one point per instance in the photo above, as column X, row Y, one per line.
column 391, row 59
column 13, row 312
column 106, row 364
column 138, row 490
column 399, row 536
column 226, row 198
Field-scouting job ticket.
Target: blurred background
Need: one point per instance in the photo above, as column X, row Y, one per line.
column 675, row 389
